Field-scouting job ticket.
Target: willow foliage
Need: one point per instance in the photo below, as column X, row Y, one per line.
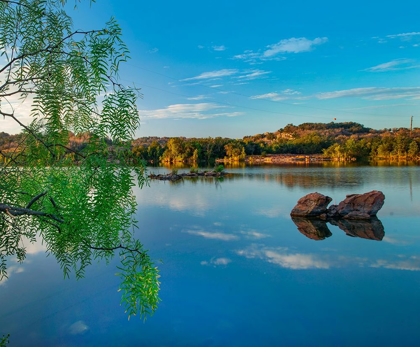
column 81, row 203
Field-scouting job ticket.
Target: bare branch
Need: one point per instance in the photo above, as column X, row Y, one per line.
column 39, row 196
column 21, row 211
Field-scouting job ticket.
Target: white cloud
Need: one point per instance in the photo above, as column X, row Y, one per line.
column 213, row 74
column 77, row 328
column 198, row 97
column 373, row 93
column 254, row 235
column 412, row 264
column 274, row 51
column 394, row 241
column 211, row 235
column 291, row 92
column 369, row 93
column 284, row 258
column 200, row 46
column 249, row 57
column 296, row 261
column 216, row 86
column 34, row 247
column 14, row 269
column 153, row 50
column 271, row 96
column 394, row 65
column 377, row 106
column 294, row 45
column 273, row 212
column 253, row 74
column 21, row 109
column 217, row 261
column 194, row 203
column 404, row 36
column 220, row 48
column 188, row 111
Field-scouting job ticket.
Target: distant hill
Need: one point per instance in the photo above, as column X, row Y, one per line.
column 334, row 139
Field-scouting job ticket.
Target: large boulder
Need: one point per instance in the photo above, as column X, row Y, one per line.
column 358, row 206
column 311, row 205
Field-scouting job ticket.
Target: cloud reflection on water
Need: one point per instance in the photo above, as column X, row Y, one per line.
column 284, row 258
column 212, row 235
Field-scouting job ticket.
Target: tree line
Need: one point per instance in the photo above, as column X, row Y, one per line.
column 337, row 141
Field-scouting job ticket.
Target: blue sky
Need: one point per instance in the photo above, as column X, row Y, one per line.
column 235, row 68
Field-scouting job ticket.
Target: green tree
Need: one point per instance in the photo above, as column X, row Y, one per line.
column 85, row 211
column 413, row 149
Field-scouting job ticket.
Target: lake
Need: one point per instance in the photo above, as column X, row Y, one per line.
column 236, row 271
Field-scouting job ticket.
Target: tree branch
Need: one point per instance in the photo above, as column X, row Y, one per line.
column 39, row 196
column 21, row 211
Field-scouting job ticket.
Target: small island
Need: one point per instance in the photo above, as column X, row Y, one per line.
column 218, row 172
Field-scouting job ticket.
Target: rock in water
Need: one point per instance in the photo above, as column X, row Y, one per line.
column 359, row 206
column 311, row 205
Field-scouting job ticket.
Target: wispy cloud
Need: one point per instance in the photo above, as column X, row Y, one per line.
column 238, row 75
column 373, row 93
column 275, row 51
column 77, row 328
column 284, row 95
column 253, row 74
column 284, row 258
column 271, row 96
column 394, row 65
column 369, row 93
column 254, row 235
column 217, row 261
column 411, row 264
column 273, row 212
column 294, row 45
column 188, row 111
column 153, row 50
column 291, row 92
column 211, row 235
column 14, row 269
column 198, row 97
column 377, row 106
column 404, row 36
column 220, row 48
column 213, row 74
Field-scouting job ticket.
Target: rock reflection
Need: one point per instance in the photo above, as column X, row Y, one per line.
column 317, row 229
column 370, row 229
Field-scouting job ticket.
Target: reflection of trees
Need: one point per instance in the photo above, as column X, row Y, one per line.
column 318, row 177
column 317, row 229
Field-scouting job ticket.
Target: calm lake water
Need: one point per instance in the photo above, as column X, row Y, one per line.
column 236, row 271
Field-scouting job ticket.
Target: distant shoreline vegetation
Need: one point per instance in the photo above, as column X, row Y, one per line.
column 348, row 141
